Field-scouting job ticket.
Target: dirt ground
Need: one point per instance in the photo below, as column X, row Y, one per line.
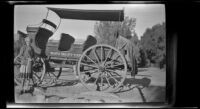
column 151, row 89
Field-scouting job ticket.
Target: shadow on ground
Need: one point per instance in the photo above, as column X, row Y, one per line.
column 148, row 92
column 58, row 83
column 134, row 83
column 131, row 83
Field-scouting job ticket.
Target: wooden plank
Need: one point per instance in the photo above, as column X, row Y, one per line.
column 60, row 58
column 61, row 65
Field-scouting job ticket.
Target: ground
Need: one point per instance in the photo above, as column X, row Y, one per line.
column 153, row 81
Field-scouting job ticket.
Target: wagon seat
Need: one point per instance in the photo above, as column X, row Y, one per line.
column 90, row 41
column 65, row 42
column 40, row 34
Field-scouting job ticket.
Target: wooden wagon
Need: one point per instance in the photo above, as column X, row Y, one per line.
column 99, row 66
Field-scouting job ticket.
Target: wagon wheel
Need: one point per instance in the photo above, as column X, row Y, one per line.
column 102, row 68
column 38, row 68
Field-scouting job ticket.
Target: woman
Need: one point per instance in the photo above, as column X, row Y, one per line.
column 26, row 54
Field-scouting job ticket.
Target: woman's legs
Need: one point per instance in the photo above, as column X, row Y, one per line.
column 23, row 76
column 25, row 85
column 26, row 75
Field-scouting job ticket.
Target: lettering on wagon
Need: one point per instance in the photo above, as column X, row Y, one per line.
column 62, row 54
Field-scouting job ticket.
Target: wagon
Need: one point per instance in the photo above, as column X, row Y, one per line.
column 99, row 67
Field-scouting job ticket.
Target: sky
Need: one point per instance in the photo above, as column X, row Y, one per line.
column 146, row 16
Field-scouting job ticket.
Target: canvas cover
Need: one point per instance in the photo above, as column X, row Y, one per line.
column 101, row 15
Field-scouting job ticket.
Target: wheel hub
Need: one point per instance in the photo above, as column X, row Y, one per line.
column 101, row 69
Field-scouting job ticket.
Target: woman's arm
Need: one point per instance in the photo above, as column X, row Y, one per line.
column 17, row 58
column 21, row 51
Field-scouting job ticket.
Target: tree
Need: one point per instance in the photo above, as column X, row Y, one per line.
column 143, row 58
column 153, row 43
column 105, row 31
column 127, row 27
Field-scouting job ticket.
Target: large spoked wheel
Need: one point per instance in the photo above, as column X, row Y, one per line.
column 102, row 68
column 39, row 70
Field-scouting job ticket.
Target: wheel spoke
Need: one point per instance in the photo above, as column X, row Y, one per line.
column 90, row 59
column 113, row 72
column 113, row 77
column 112, row 60
column 94, row 52
column 89, row 65
column 116, row 58
column 101, row 82
column 107, row 80
column 53, row 74
column 107, row 56
column 101, row 53
column 38, row 80
column 37, row 76
column 112, row 66
column 111, row 55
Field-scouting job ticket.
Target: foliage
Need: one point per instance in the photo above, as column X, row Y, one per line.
column 153, row 44
column 127, row 27
column 105, row 32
